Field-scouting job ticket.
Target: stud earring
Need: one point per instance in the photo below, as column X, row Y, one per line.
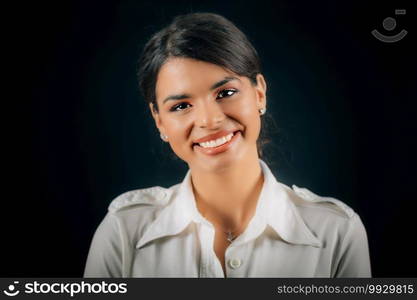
column 164, row 137
column 262, row 111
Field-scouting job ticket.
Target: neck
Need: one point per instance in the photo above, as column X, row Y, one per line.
column 229, row 198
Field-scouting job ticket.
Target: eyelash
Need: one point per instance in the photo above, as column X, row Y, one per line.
column 174, row 108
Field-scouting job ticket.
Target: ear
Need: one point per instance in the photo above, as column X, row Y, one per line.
column 157, row 119
column 260, row 91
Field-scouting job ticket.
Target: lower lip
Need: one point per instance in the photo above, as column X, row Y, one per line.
column 219, row 149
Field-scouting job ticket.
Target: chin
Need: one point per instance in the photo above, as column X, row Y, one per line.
column 220, row 164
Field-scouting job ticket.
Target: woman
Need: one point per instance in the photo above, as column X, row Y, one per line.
column 229, row 217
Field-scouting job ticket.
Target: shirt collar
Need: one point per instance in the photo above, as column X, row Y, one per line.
column 177, row 215
column 274, row 208
column 277, row 209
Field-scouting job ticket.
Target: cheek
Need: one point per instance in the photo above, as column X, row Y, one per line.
column 177, row 134
column 176, row 130
column 247, row 114
column 254, row 126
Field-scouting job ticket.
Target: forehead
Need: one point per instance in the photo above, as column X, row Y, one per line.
column 187, row 75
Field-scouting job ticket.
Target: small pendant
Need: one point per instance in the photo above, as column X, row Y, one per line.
column 230, row 237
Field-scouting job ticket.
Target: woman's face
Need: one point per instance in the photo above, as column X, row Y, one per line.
column 197, row 99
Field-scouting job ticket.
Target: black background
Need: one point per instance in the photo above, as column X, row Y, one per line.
column 76, row 132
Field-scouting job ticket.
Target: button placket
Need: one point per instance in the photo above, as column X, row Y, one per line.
column 210, row 265
column 235, row 260
column 204, row 236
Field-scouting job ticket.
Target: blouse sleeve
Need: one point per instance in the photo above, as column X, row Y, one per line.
column 105, row 258
column 353, row 259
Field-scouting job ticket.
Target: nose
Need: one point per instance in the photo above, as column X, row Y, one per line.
column 209, row 114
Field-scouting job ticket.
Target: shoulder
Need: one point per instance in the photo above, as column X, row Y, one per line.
column 339, row 228
column 324, row 215
column 131, row 213
column 138, row 208
column 309, row 202
column 330, row 219
column 152, row 197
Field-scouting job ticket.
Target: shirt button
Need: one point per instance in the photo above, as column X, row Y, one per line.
column 235, row 263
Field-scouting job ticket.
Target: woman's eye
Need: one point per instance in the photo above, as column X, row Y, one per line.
column 179, row 106
column 222, row 94
column 226, row 93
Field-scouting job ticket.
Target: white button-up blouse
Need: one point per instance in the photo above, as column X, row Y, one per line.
column 159, row 232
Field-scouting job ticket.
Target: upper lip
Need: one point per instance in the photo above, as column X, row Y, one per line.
column 214, row 136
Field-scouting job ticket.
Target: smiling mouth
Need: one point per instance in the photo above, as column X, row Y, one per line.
column 218, row 142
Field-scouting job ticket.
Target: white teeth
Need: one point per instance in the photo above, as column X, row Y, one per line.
column 218, row 142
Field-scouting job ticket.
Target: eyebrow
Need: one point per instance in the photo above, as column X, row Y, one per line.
column 214, row 86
